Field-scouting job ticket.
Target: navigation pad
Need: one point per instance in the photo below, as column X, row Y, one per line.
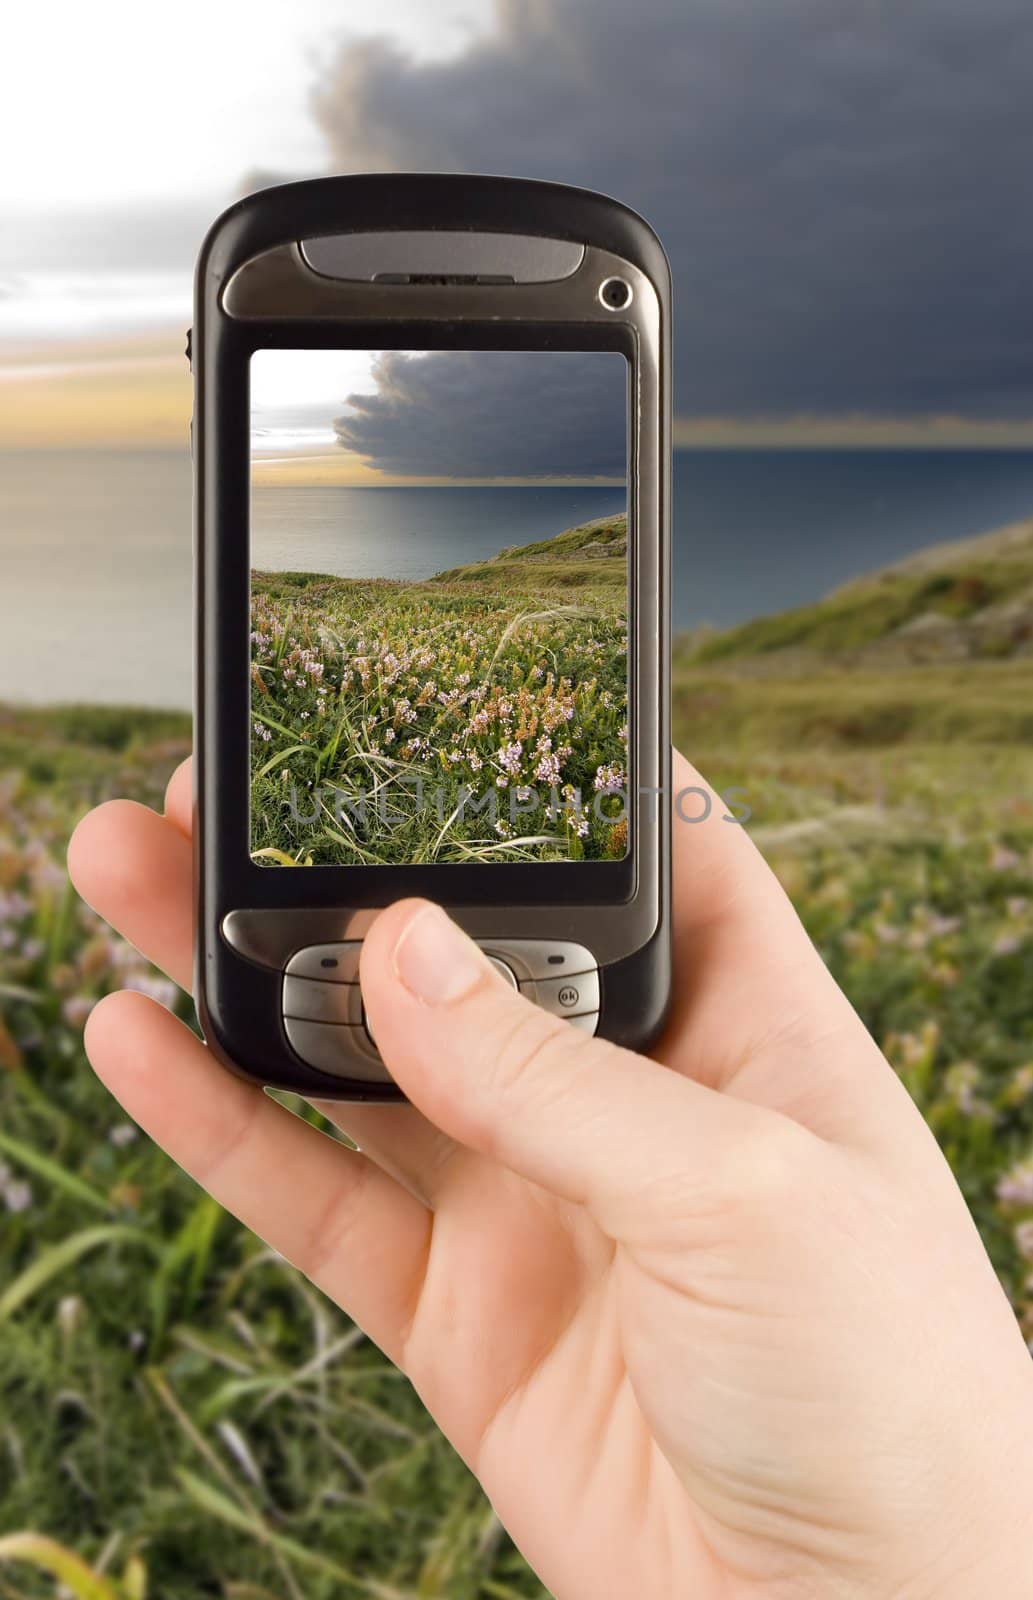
column 325, row 1022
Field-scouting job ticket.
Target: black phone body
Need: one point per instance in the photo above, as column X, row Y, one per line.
column 382, row 273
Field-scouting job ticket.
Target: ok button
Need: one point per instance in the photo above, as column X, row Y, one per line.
column 568, row 997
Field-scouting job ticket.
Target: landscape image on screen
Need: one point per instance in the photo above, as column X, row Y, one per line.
column 439, row 607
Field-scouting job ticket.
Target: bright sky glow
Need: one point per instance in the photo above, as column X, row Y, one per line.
column 296, row 394
column 117, row 101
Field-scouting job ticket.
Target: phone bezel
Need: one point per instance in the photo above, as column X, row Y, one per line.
column 251, row 294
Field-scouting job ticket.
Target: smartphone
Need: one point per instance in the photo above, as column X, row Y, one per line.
column 432, row 484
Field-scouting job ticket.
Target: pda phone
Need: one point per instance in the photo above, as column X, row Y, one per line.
column 431, row 444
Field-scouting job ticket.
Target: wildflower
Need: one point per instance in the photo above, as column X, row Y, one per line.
column 961, row 1082
column 76, row 1009
column 509, row 757
column 1021, row 1085
column 122, row 1133
column 17, row 1195
column 70, row 1311
column 914, row 1049
column 609, row 779
column 1016, row 1186
column 262, row 731
column 617, row 839
column 156, row 988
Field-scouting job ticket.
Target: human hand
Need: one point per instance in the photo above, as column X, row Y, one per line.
column 715, row 1325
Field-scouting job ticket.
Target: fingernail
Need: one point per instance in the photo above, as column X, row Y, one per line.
column 435, row 960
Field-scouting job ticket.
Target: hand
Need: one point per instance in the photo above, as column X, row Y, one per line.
column 714, row 1325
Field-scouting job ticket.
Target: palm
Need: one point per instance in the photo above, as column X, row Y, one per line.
column 545, row 1352
column 539, row 1345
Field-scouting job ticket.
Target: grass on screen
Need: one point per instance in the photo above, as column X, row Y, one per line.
column 478, row 716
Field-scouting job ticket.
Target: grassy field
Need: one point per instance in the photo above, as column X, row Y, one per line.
column 179, row 1412
column 481, row 715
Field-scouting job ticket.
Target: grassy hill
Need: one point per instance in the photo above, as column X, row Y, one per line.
column 590, row 556
column 969, row 600
column 935, row 649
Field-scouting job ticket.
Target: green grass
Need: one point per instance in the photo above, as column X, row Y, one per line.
column 480, row 715
column 837, row 707
column 179, row 1408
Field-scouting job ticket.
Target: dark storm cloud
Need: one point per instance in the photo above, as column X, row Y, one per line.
column 843, row 186
column 491, row 414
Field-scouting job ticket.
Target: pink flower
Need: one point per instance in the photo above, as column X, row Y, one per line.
column 1016, row 1186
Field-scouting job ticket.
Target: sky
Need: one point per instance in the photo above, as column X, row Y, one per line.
column 840, row 184
column 404, row 417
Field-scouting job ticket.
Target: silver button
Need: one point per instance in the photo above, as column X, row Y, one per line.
column 343, row 1052
column 587, row 1022
column 565, row 997
column 503, row 971
column 322, row 1002
column 540, row 958
column 332, row 963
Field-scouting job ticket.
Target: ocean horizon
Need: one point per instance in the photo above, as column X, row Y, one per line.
column 95, row 547
column 410, row 533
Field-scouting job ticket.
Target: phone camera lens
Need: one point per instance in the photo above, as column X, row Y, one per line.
column 615, row 294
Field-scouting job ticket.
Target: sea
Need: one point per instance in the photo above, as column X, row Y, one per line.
column 95, row 547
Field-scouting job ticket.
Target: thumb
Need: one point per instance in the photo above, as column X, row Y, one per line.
column 591, row 1122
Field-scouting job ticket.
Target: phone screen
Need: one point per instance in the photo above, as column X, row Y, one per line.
column 439, row 607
